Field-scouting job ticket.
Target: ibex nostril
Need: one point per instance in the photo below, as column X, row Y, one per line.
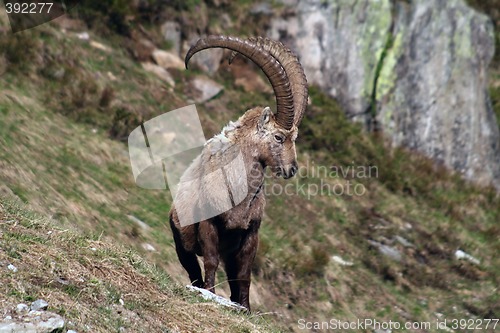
column 295, row 168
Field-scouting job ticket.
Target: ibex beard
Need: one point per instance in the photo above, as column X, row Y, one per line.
column 260, row 140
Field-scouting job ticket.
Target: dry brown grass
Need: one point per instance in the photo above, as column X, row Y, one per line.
column 69, row 172
column 84, row 278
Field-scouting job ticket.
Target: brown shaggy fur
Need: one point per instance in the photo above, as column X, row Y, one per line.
column 233, row 235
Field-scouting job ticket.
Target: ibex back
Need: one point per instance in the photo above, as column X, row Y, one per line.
column 263, row 140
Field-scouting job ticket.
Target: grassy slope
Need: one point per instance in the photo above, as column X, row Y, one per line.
column 73, row 173
column 97, row 285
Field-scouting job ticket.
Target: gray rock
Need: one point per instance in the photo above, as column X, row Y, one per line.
column 339, row 44
column 167, row 59
column 226, row 21
column 22, row 308
column 403, row 241
column 262, row 8
column 171, row 32
column 160, row 72
column 209, row 296
column 206, row 60
column 388, row 251
column 432, row 92
column 139, row 222
column 12, row 268
column 33, row 322
column 204, row 89
column 148, row 247
column 422, row 64
column 39, row 304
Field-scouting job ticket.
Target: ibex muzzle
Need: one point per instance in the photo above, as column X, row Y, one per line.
column 290, row 171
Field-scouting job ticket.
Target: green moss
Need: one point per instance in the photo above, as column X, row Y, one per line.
column 297, row 236
column 373, row 40
column 462, row 41
column 386, row 78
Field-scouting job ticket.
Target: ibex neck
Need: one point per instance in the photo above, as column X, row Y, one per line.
column 238, row 136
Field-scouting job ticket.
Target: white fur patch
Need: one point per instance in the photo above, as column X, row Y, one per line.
column 220, row 142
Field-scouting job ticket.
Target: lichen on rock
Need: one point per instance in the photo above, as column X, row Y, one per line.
column 415, row 69
column 339, row 44
column 437, row 103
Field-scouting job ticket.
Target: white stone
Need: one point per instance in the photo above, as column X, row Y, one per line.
column 171, row 32
column 205, row 88
column 159, row 71
column 148, row 247
column 22, row 308
column 167, row 59
column 209, row 296
column 461, row 255
column 39, row 304
column 83, row 35
column 99, row 46
column 140, row 223
column 341, row 261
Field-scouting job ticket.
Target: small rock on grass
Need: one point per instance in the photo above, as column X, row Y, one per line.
column 204, row 89
column 22, row 308
column 39, row 305
column 33, row 321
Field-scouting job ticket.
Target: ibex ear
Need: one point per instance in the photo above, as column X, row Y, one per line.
column 264, row 118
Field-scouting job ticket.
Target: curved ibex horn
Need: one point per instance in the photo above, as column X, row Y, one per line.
column 269, row 65
column 293, row 69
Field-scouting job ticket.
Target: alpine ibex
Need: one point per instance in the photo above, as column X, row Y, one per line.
column 264, row 140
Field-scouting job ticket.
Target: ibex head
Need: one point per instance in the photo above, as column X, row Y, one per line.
column 273, row 134
column 274, row 144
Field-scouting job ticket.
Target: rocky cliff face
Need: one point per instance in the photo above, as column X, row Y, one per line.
column 432, row 89
column 339, row 44
column 415, row 70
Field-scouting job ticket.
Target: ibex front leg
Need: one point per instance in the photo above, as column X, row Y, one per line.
column 240, row 288
column 209, row 241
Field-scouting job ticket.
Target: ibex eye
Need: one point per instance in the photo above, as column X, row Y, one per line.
column 279, row 138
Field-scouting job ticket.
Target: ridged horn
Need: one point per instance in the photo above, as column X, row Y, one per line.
column 293, row 69
column 274, row 71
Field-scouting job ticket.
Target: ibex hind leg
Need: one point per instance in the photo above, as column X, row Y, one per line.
column 188, row 259
column 209, row 241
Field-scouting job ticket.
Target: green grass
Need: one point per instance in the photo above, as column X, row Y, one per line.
column 88, row 286
column 59, row 159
